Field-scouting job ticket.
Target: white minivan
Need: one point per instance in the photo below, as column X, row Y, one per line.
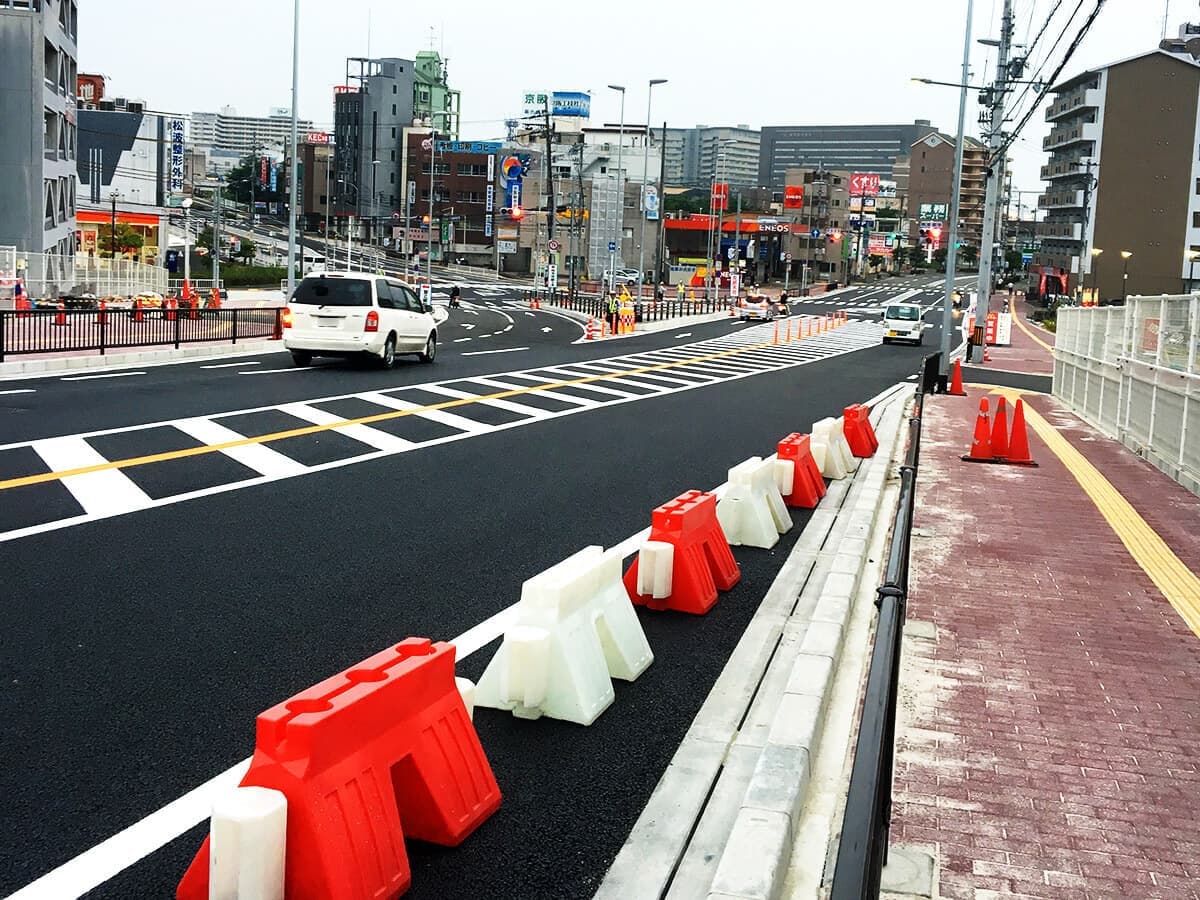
column 903, row 322
column 355, row 313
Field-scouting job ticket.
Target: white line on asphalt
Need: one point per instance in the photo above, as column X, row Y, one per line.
column 486, row 352
column 231, row 365
column 19, row 391
column 508, row 327
column 259, row 457
column 685, row 334
column 460, row 340
column 276, row 371
column 108, row 492
column 105, row 375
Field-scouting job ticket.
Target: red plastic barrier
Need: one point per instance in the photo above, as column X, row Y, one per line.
column 378, row 753
column 703, row 562
column 808, row 487
column 859, row 433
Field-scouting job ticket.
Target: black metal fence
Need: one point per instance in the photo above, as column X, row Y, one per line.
column 67, row 330
column 645, row 310
column 862, row 851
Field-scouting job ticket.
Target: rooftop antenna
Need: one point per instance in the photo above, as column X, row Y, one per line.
column 368, row 32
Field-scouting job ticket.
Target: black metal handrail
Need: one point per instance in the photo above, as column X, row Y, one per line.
column 862, row 850
column 67, row 330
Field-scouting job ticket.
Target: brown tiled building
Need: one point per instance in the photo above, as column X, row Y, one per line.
column 929, row 171
column 1124, row 175
column 462, row 172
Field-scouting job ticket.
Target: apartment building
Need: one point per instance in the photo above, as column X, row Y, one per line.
column 927, row 175
column 1123, row 175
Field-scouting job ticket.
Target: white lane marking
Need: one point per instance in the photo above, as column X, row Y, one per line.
column 259, row 457
column 365, row 434
column 105, row 375
column 486, row 352
column 104, row 493
column 544, row 330
column 292, row 369
column 685, row 334
column 231, row 365
column 531, row 411
column 508, row 327
column 19, row 391
column 462, row 423
column 460, row 340
column 467, row 325
column 529, row 314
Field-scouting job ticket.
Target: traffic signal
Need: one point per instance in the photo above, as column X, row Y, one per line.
column 936, row 234
column 835, row 235
column 516, row 213
column 425, row 221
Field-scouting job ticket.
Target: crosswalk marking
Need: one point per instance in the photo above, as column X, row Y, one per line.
column 106, row 492
column 462, row 423
column 260, row 458
column 531, row 411
column 365, row 434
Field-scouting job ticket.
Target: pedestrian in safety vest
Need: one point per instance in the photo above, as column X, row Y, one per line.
column 614, row 308
column 679, row 291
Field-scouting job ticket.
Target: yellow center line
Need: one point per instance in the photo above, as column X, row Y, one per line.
column 1025, row 328
column 1170, row 575
column 184, row 453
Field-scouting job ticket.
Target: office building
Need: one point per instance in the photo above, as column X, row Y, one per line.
column 38, row 52
column 228, row 132
column 1123, row 175
column 694, row 156
column 853, row 148
column 433, row 98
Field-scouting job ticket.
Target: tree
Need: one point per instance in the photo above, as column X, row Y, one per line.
column 205, row 237
column 237, row 182
column 901, row 255
column 129, row 239
column 1014, row 261
column 875, row 260
column 939, row 258
column 690, row 202
column 246, row 251
column 970, row 255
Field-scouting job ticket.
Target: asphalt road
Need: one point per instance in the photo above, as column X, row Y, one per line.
column 139, row 648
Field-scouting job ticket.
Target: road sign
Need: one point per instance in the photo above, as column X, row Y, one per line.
column 787, row 257
column 612, row 246
column 815, row 233
column 506, row 246
column 554, row 244
column 731, row 252
column 552, row 275
column 426, row 293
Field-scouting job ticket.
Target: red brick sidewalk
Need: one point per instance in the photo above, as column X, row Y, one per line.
column 1051, row 696
column 1024, row 354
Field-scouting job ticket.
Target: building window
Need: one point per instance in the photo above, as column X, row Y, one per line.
column 1196, row 220
column 393, row 156
column 393, row 134
column 393, row 109
column 391, row 178
column 393, row 89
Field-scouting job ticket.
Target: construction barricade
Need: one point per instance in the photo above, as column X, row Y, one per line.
column 381, row 752
column 752, row 511
column 686, row 560
column 796, row 472
column 576, row 630
column 860, row 435
column 830, row 450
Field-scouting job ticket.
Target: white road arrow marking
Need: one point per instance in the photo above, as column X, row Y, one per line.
column 544, row 330
column 466, row 325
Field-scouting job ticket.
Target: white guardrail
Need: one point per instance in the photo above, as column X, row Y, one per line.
column 1134, row 371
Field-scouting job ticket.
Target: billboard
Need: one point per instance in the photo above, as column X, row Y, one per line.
column 512, row 170
column 562, row 103
column 89, row 88
column 793, row 196
column 650, row 202
column 879, row 245
column 175, row 133
column 480, row 147
column 320, row 138
column 720, row 196
column 934, row 212
column 864, row 185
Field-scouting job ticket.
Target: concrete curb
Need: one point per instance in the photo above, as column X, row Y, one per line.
column 71, row 365
column 726, row 804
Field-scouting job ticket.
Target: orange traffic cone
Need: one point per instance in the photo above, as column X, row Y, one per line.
column 775, row 339
column 215, row 302
column 1018, row 448
column 590, row 334
column 981, row 445
column 170, row 309
column 788, row 337
column 956, row 382
column 102, row 314
column 60, row 317
column 137, row 311
column 1000, row 430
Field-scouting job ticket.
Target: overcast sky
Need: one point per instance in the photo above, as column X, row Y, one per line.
column 763, row 62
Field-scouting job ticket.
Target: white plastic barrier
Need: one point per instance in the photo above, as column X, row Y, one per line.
column 656, row 564
column 247, row 844
column 576, row 630
column 752, row 512
column 830, row 449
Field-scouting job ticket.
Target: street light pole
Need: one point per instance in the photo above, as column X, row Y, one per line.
column 1191, row 255
column 645, row 173
column 328, row 203
column 1096, row 251
column 292, row 192
column 620, row 227
column 955, row 202
column 187, row 239
column 374, row 202
column 1125, row 254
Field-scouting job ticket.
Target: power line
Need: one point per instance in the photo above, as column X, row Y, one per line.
column 1083, row 30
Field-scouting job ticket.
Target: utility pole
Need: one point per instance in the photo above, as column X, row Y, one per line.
column 955, row 204
column 549, row 173
column 660, row 241
column 293, row 187
column 216, row 241
column 113, row 247
column 994, row 174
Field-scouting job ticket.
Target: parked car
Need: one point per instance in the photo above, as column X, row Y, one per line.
column 903, row 322
column 756, row 306
column 345, row 314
